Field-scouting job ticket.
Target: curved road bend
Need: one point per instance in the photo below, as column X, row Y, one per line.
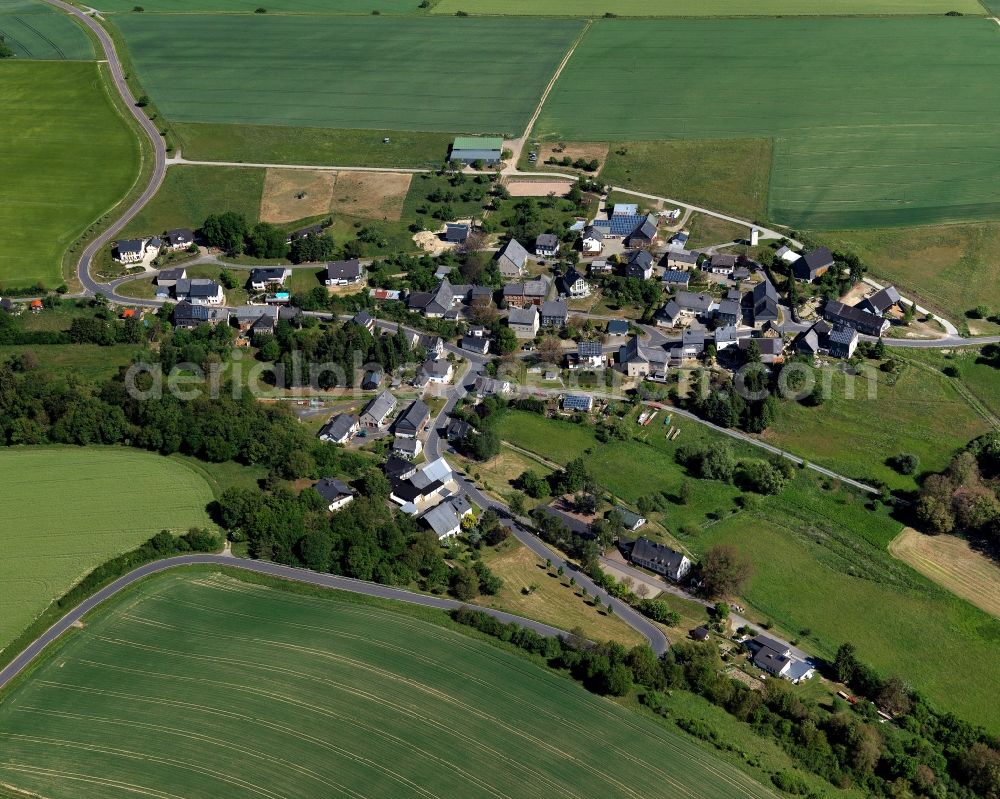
column 261, row 567
column 90, row 285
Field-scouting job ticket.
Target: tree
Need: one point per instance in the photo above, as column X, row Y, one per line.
column 5, row 49
column 724, row 570
column 464, row 584
column 845, row 664
column 506, row 341
column 905, row 463
column 226, row 231
column 894, row 696
column 760, row 476
column 266, row 241
column 686, row 492
column 484, row 445
column 550, row 350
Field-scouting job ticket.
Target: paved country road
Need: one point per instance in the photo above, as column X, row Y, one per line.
column 91, row 286
column 19, row 663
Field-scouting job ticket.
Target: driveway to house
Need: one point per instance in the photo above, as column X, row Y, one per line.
column 36, row 647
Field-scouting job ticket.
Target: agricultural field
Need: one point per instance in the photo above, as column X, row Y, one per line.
column 949, row 269
column 69, row 510
column 916, row 411
column 953, row 564
column 722, row 174
column 67, row 158
column 191, row 193
column 272, row 6
column 334, row 695
column 821, row 563
column 292, row 194
column 851, row 150
column 90, row 361
column 705, row 8
column 37, row 31
column 311, row 71
column 978, row 370
column 282, row 144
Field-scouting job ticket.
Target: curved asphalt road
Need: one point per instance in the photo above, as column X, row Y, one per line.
column 19, row 663
column 90, row 285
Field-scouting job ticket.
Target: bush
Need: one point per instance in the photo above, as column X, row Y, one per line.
column 905, row 463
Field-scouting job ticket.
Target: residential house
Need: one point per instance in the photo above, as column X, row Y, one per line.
column 726, row 336
column 344, row 273
column 434, row 304
column 760, row 304
column 618, row 327
column 336, row 493
column 130, row 251
column 340, row 429
column 812, row 264
column 365, row 320
column 167, row 279
column 469, row 149
column 572, row 284
column 523, row 321
column 199, row 291
column 680, row 259
column 413, row 420
column 433, row 345
column 868, row 324
column 377, row 411
column 777, row 659
column 456, row 233
column 660, row 559
column 554, row 313
column 372, row 379
column 477, row 344
column 521, row 295
column 631, row 520
column 696, row 306
column 729, row 312
column 580, row 403
column 592, row 242
column 457, row 430
column 882, row 301
column 446, row 519
column 268, row 278
column 644, row 233
column 511, row 260
column 492, row 387
column 588, row 355
column 640, row 265
column 187, row 316
column 179, row 239
column 398, row 469
column 669, row 315
column 425, row 487
column 679, row 240
column 676, row 277
column 305, row 232
column 547, row 245
column 438, row 371
column 253, row 319
column 638, row 361
column 772, row 350
column 843, row 340
column 479, row 296
column 600, row 267
column 408, row 448
column 740, row 274
column 720, row 264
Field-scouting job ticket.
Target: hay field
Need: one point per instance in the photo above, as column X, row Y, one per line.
column 37, row 31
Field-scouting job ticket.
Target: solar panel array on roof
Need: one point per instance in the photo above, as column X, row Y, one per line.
column 578, row 402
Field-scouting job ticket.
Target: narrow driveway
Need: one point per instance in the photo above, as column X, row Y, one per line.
column 19, row 663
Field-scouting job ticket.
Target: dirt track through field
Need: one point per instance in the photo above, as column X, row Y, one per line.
column 951, row 563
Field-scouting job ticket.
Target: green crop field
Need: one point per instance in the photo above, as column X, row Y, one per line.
column 915, row 411
column 432, row 74
column 902, row 132
column 272, row 6
column 821, row 562
column 191, row 193
column 705, row 8
column 36, row 30
column 198, row 684
column 69, row 510
column 66, row 157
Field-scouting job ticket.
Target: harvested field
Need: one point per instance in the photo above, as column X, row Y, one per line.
column 292, row 194
column 538, row 188
column 373, row 195
column 951, row 563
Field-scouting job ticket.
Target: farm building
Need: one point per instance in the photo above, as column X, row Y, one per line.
column 660, row 559
column 468, row 149
column 881, row 302
column 813, row 264
column 867, row 324
column 521, row 295
column 511, row 260
column 523, row 321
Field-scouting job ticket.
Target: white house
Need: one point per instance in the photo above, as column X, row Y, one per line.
column 130, row 251
column 336, row 493
column 340, row 429
column 660, row 559
column 199, row 291
column 344, row 273
column 592, row 241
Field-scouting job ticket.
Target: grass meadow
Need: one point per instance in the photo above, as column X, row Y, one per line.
column 90, row 361
column 977, row 374
column 272, row 6
column 66, row 157
column 722, row 174
column 203, row 685
column 366, row 72
column 69, row 510
column 190, row 193
column 903, row 132
column 820, row 559
column 705, row 8
column 915, row 411
column 37, row 31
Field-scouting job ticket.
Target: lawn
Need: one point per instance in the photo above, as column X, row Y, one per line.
column 283, row 144
column 707, row 231
column 950, row 269
column 66, row 157
column 89, row 361
column 202, row 685
column 191, row 193
column 69, row 510
column 35, row 30
column 721, row 174
column 820, row 562
column 367, row 72
column 851, row 149
column 705, row 8
column 917, row 412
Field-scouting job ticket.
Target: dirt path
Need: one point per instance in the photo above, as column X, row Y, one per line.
column 516, row 146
